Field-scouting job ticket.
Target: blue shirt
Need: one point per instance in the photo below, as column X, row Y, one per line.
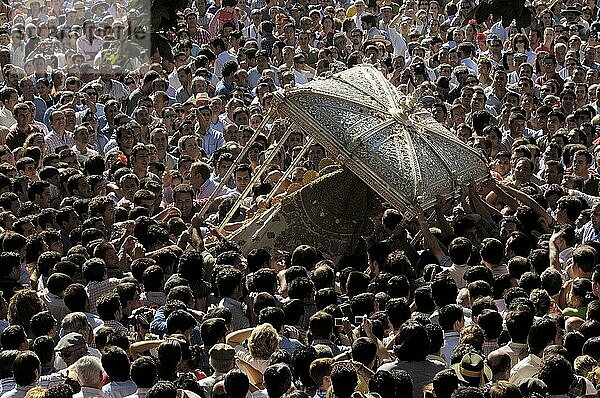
column 588, row 233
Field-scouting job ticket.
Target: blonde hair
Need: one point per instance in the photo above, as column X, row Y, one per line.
column 263, row 341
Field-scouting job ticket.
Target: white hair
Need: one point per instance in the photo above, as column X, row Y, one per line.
column 89, row 371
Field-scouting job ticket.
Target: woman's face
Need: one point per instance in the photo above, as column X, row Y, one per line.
column 470, row 30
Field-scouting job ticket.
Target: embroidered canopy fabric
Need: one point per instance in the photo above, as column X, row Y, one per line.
column 397, row 149
column 387, row 148
column 331, row 214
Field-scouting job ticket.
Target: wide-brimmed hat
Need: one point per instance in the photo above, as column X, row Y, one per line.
column 381, row 39
column 99, row 4
column 473, row 370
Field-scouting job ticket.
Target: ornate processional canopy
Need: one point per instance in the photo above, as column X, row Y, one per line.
column 398, row 150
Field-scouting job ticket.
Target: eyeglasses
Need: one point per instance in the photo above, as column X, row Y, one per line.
column 520, row 41
column 170, row 115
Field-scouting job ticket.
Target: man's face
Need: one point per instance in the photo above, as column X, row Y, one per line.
column 128, row 188
column 499, row 80
column 242, row 79
column 517, row 127
column 27, row 88
column 22, row 117
column 82, row 136
column 315, row 155
column 224, row 165
column 522, row 171
column 242, row 179
column 159, row 140
column 110, row 112
column 551, row 175
column 478, row 101
column 191, row 148
column 580, row 164
column 12, row 101
column 142, row 117
column 29, row 171
column 84, row 188
column 183, row 77
column 73, row 221
column 241, row 119
column 8, row 158
column 126, row 141
column 553, row 124
column 70, row 119
column 596, row 216
column 185, row 203
column 141, row 159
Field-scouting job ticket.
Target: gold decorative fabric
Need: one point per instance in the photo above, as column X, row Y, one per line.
column 330, row 213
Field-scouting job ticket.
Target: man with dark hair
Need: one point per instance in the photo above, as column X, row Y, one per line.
column 27, row 370
column 236, row 384
column 344, row 380
column 518, row 323
column 229, row 282
column 320, row 326
column 109, row 310
column 276, row 317
column 116, row 364
column 277, row 379
column 10, row 271
column 452, row 320
column 162, row 389
column 557, row 373
column 98, row 283
column 411, row 347
column 53, row 298
column 226, row 84
column 459, row 252
column 143, row 373
column 77, row 300
column 543, row 333
column 14, row 338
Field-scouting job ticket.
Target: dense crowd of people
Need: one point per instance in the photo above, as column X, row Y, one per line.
column 117, row 274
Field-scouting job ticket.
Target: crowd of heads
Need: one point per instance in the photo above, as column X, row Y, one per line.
column 123, row 170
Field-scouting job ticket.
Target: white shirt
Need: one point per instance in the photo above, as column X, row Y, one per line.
column 6, row 118
column 525, row 368
column 220, row 61
column 88, row 49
